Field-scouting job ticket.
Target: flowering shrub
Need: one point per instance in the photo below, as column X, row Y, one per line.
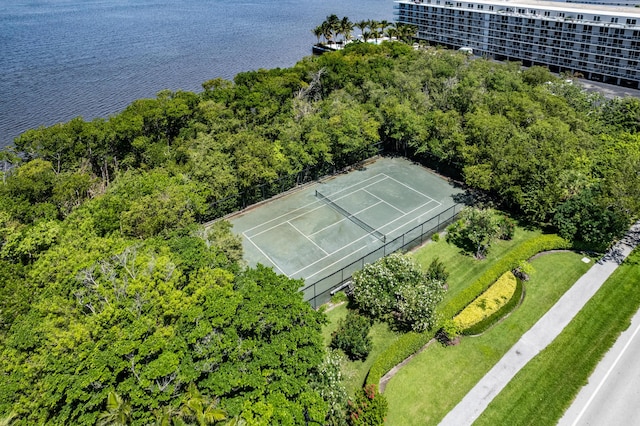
column 395, row 289
column 488, row 302
column 328, row 382
column 369, row 408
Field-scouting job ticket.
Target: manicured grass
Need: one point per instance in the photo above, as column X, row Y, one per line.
column 354, row 372
column 438, row 378
column 334, row 315
column 464, row 268
column 542, row 391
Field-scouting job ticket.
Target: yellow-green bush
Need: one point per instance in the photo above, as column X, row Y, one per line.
column 508, row 262
column 488, row 302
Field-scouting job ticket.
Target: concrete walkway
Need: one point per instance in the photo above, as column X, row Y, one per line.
column 541, row 334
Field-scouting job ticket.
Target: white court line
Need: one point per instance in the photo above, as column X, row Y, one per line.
column 363, row 188
column 344, row 257
column 265, row 255
column 307, row 205
column 407, row 186
column 340, row 249
column 606, row 376
column 332, row 253
column 401, row 226
column 346, row 218
column 390, row 205
column 411, row 211
column 304, row 235
column 337, row 261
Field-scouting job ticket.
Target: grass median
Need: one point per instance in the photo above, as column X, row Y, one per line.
column 541, row 392
column 437, row 379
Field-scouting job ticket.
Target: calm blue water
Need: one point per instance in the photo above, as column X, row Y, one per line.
column 61, row 59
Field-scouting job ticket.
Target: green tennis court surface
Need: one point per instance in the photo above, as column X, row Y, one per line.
column 319, row 229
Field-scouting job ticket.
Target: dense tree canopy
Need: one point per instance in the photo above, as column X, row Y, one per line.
column 113, row 300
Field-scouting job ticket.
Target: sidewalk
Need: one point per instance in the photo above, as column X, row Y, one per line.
column 541, row 334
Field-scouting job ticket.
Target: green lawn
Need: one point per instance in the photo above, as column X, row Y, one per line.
column 438, row 378
column 463, row 268
column 544, row 389
column 354, row 372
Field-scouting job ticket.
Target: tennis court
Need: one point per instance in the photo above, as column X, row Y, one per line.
column 319, row 229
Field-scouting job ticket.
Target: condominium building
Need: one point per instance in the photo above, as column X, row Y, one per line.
column 598, row 41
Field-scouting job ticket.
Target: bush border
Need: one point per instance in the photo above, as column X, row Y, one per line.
column 488, row 322
column 412, row 342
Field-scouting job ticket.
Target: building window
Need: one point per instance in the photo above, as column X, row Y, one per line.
column 580, row 17
column 631, row 21
column 614, row 20
column 596, row 18
column 547, row 13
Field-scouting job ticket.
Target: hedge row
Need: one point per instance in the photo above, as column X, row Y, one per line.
column 482, row 326
column 410, row 343
column 508, row 262
column 407, row 345
column 487, row 303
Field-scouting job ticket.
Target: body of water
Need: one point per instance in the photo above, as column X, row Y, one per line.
column 61, row 59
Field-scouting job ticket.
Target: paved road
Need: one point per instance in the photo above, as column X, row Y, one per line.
column 541, row 334
column 612, row 396
column 609, row 91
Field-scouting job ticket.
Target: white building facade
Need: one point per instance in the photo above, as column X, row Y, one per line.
column 600, row 42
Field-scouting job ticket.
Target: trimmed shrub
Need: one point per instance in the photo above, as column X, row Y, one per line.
column 486, row 323
column 352, row 336
column 405, row 346
column 448, row 332
column 508, row 262
column 435, row 237
column 410, row 343
column 369, row 408
column 488, row 303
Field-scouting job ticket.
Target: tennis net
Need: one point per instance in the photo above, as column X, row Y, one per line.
column 379, row 235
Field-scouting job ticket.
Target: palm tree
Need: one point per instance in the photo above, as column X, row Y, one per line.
column 200, row 408
column 362, row 25
column 346, row 27
column 327, row 32
column 391, row 33
column 383, row 25
column 333, row 25
column 374, row 25
column 118, row 411
column 366, row 36
column 317, row 31
column 407, row 32
column 7, row 420
column 166, row 416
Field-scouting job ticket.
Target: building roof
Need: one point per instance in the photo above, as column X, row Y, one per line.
column 595, row 9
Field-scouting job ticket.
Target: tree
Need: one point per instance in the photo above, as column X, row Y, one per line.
column 197, row 407
column 394, row 289
column 584, row 218
column 345, row 28
column 118, row 411
column 362, row 25
column 475, row 230
column 352, row 336
column 318, row 32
